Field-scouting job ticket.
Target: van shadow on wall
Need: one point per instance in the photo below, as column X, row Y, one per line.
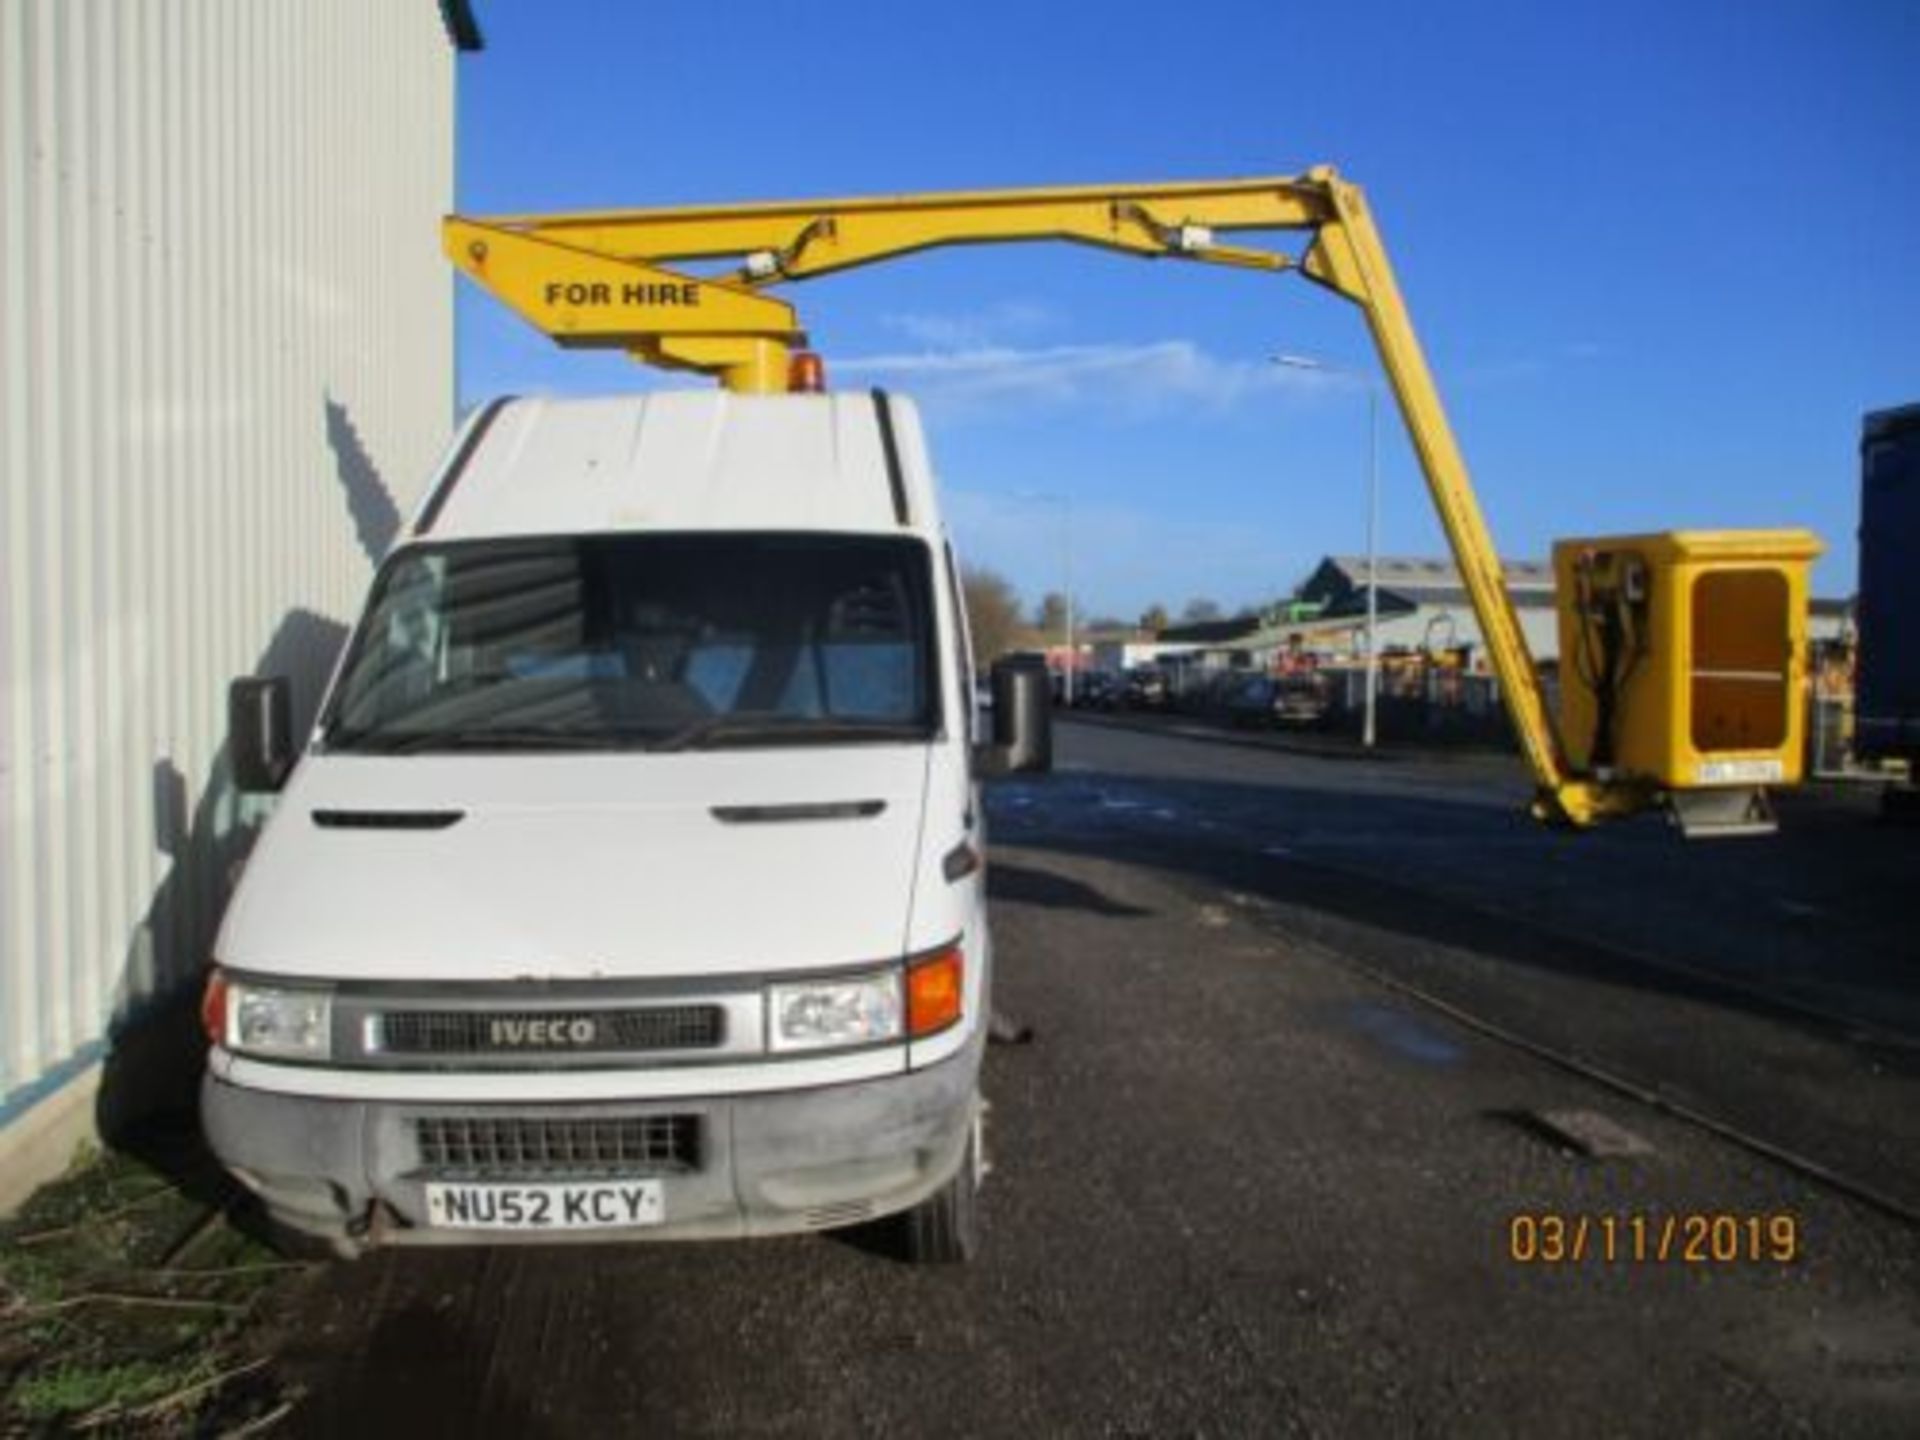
column 370, row 504
column 155, row 1052
column 148, row 1101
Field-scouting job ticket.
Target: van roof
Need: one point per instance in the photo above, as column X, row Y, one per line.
column 685, row 460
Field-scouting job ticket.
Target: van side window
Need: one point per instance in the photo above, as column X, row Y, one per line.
column 962, row 651
column 415, row 628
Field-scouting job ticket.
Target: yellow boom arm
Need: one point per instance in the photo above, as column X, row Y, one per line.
column 597, row 280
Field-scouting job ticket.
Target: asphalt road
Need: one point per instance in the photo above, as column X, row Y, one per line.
column 1298, row 1024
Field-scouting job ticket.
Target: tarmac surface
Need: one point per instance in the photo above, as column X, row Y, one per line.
column 1301, row 1146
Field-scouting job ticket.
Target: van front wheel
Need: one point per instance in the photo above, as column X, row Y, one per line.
column 944, row 1229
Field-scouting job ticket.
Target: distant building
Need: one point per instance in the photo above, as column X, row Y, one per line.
column 1423, row 606
column 1241, row 642
column 1115, row 651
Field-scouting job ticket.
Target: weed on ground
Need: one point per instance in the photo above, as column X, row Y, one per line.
column 125, row 1302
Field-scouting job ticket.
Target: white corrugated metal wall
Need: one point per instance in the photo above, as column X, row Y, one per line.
column 227, row 371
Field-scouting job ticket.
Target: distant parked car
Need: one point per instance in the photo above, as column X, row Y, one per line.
column 1303, row 698
column 1146, row 689
column 1253, row 701
column 1213, row 695
column 1299, row 699
column 1096, row 690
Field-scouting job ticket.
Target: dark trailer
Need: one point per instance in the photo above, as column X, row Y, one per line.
column 1887, row 703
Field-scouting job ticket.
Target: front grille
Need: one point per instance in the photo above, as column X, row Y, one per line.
column 529, row 1148
column 551, row 1032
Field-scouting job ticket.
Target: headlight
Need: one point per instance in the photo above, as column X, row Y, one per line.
column 278, row 1023
column 844, row 1010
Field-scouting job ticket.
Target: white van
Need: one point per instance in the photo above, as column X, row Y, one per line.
column 631, row 882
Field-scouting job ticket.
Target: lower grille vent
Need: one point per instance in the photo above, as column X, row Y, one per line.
column 841, row 1212
column 534, row 1148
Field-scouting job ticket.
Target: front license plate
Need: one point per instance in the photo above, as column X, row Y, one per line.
column 601, row 1205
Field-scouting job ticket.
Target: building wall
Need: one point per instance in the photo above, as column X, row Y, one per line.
column 226, row 371
column 1443, row 625
column 1456, row 625
column 1117, row 655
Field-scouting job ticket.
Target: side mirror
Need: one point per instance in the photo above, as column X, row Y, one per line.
column 260, row 732
column 1022, row 721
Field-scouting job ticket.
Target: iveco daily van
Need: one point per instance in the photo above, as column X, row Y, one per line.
column 631, row 882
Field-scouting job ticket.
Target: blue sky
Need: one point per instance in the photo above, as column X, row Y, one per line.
column 1661, row 255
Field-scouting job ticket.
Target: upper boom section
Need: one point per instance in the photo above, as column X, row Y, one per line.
column 595, row 279
column 792, row 239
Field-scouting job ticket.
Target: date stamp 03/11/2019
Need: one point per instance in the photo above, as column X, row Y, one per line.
column 1549, row 1238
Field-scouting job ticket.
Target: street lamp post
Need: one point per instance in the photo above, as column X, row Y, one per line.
column 1373, row 564
column 1368, row 731
column 1073, row 655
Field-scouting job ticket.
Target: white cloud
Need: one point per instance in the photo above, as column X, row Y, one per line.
column 1130, row 379
column 999, row 323
column 1530, row 367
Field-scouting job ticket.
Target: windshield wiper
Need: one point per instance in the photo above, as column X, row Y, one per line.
column 750, row 727
column 520, row 737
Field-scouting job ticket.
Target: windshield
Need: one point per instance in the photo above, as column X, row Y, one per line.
column 659, row 640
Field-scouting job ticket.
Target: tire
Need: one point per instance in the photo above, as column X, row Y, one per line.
column 944, row 1229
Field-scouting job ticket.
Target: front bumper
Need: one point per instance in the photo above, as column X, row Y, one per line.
column 352, row 1172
